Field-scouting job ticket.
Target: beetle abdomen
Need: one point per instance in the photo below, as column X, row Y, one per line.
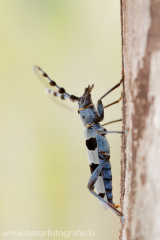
column 107, row 179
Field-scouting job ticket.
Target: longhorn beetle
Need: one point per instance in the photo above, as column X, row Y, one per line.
column 97, row 145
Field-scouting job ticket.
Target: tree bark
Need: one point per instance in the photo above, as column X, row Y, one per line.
column 140, row 176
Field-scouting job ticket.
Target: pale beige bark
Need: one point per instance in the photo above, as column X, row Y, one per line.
column 140, row 189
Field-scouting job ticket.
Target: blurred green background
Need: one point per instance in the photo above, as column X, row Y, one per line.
column 44, row 166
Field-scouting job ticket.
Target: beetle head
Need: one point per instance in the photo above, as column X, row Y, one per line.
column 86, row 99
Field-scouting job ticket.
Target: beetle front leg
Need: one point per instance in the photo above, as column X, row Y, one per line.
column 100, row 110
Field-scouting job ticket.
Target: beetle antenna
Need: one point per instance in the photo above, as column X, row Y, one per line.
column 61, row 91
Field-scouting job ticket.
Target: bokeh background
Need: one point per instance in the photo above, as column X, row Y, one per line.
column 44, row 167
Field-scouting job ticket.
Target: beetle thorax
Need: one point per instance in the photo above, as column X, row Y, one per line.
column 86, row 108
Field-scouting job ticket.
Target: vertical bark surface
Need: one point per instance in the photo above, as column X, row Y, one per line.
column 140, row 189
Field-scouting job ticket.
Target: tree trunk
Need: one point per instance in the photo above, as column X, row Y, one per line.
column 140, row 177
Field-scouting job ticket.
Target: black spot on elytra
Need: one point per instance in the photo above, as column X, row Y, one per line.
column 83, row 117
column 78, row 112
column 91, row 144
column 93, row 166
column 101, row 195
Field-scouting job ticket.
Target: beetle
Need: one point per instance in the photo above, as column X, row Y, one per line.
column 97, row 145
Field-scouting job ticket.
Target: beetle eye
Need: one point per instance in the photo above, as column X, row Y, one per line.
column 81, row 100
